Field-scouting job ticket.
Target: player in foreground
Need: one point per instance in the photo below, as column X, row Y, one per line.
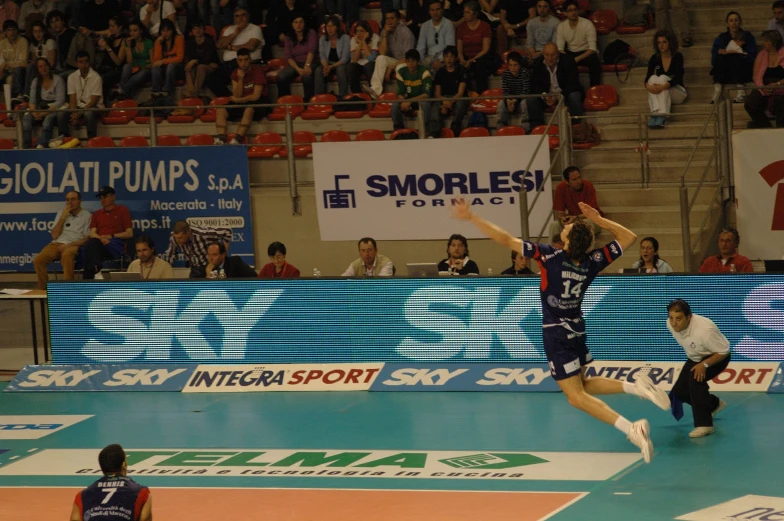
column 114, row 497
column 566, row 274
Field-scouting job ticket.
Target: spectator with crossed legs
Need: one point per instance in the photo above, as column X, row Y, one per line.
column 248, row 84
column 566, row 275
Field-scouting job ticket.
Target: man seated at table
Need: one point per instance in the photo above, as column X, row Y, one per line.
column 223, row 265
column 147, row 262
column 370, row 263
column 71, row 230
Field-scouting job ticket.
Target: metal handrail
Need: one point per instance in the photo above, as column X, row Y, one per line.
column 696, row 145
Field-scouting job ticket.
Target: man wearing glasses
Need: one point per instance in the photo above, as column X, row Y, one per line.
column 241, row 35
column 71, row 230
column 110, row 227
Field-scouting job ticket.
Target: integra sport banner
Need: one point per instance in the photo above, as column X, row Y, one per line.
column 402, row 190
column 207, row 186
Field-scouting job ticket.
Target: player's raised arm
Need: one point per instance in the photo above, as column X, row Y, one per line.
column 462, row 210
column 624, row 236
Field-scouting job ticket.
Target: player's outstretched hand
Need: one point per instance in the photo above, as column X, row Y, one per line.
column 461, row 210
column 590, row 212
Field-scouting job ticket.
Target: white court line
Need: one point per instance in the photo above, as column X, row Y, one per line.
column 567, row 505
column 623, row 493
column 581, row 494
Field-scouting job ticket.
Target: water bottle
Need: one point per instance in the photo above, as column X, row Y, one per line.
column 732, row 268
column 212, row 275
column 221, row 274
column 316, row 272
column 489, row 272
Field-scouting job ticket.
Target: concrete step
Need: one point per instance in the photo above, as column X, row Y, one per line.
column 658, row 152
column 710, row 15
column 660, row 172
column 650, row 216
column 634, row 196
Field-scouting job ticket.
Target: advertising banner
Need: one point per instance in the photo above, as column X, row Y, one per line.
column 207, row 186
column 759, row 171
column 282, row 377
column 128, row 377
column 34, row 427
column 402, row 190
column 465, row 377
column 417, row 320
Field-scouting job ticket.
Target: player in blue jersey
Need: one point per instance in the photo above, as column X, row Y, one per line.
column 566, row 274
column 114, row 497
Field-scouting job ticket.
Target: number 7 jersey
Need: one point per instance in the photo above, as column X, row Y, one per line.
column 112, row 498
column 564, row 283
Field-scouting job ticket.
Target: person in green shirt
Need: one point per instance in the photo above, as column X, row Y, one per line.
column 413, row 83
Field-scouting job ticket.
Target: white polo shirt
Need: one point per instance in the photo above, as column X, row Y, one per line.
column 701, row 339
column 86, row 88
column 155, row 18
column 251, row 32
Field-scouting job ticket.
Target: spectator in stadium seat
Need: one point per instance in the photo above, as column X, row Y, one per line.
column 334, row 53
column 769, row 78
column 364, row 50
column 541, row 30
column 414, row 85
column 395, row 40
column 279, row 17
column 777, row 23
column 201, row 60
column 94, row 17
column 155, row 12
column 370, row 263
column 47, row 94
column 13, row 58
column 576, row 36
column 434, row 36
column 514, row 15
column 39, row 45
column 278, row 268
column 33, row 11
column 732, row 58
column 192, row 241
column 138, row 60
column 728, row 260
column 417, row 13
column 457, row 261
column 222, row 11
column 69, row 42
column 474, row 38
column 167, row 57
column 301, row 48
column 241, row 35
column 71, row 230
column 553, row 64
column 9, row 10
column 573, row 189
column 450, row 82
column 113, row 49
column 664, row 80
column 147, row 262
column 221, row 263
column 515, row 81
column 519, row 265
column 649, row 261
column 110, row 227
column 248, row 86
column 671, row 15
column 85, row 91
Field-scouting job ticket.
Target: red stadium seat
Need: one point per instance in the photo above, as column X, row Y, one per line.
column 302, row 144
column 199, row 140
column 100, row 142
column 383, row 110
column 3, row 115
column 373, row 5
column 133, row 141
column 370, row 134
column 447, row 133
column 399, row 131
column 123, row 112
column 210, row 30
column 487, row 106
column 353, row 114
column 145, row 119
column 610, row 67
column 7, row 144
column 273, row 67
column 269, row 144
column 553, row 133
column 168, row 140
column 322, row 108
column 279, row 112
column 335, row 136
column 475, row 132
column 605, row 21
column 600, row 97
column 503, row 66
column 9, row 122
column 195, row 108
column 209, row 114
column 510, row 131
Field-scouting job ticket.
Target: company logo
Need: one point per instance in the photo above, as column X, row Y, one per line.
column 101, row 378
column 751, row 507
column 746, row 376
column 663, row 374
column 573, row 466
column 772, row 174
column 473, row 377
column 762, row 307
column 283, row 377
column 339, row 199
column 33, row 427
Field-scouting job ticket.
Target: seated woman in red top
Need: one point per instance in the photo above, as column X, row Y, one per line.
column 278, row 268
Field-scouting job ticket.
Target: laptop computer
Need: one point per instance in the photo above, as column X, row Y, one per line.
column 774, row 265
column 121, row 275
column 422, row 269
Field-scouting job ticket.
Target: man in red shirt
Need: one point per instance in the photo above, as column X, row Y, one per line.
column 728, row 260
column 572, row 190
column 110, row 227
column 248, row 86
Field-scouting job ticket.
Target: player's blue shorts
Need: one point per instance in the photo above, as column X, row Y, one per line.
column 566, row 351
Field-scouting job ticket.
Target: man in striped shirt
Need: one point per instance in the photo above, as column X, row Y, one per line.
column 193, row 242
column 515, row 81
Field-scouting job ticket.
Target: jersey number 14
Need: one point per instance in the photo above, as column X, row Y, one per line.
column 570, row 291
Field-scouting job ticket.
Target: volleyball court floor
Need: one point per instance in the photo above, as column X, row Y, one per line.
column 392, row 456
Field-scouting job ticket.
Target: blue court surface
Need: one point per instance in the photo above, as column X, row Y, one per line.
column 358, row 455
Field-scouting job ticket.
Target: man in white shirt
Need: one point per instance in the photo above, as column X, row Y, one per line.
column 708, row 351
column 147, row 262
column 152, row 14
column 241, row 35
column 777, row 23
column 71, row 230
column 85, row 91
column 576, row 36
column 370, row 263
